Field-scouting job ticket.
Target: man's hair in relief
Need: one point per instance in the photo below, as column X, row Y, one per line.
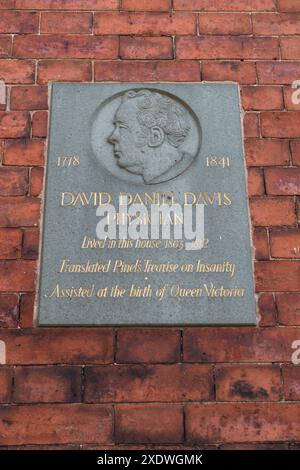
column 155, row 109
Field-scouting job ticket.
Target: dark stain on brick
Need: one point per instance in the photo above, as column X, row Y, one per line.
column 244, row 389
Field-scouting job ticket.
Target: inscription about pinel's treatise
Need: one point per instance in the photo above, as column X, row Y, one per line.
column 146, row 217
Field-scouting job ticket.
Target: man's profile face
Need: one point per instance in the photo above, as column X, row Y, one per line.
column 127, row 138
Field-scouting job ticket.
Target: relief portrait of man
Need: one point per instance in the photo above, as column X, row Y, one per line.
column 149, row 131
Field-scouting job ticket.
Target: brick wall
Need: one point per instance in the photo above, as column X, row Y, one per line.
column 211, row 387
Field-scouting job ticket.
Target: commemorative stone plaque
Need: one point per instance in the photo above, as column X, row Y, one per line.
column 146, row 218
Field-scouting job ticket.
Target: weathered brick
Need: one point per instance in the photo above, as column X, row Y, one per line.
column 282, row 181
column 273, row 24
column 267, row 310
column 272, row 211
column 30, row 249
column 17, row 276
column 26, row 310
column 19, row 22
column 8, row 311
column 280, row 276
column 285, row 243
column 10, row 243
column 149, row 424
column 289, row 5
column 265, row 152
column 280, row 124
column 40, row 124
column 255, row 182
column 67, row 4
column 260, row 241
column 142, row 47
column 251, row 125
column 55, row 424
column 145, row 23
column 295, row 148
column 245, row 344
column 147, row 71
column 225, row 5
column 144, row 383
column 5, row 46
column 146, row 5
column 24, row 152
column 13, row 182
column 47, row 384
column 242, row 72
column 262, row 97
column 226, row 47
column 6, row 374
column 19, row 211
column 288, row 306
column 291, row 98
column 29, row 97
column 36, row 181
column 291, row 382
column 58, row 345
column 272, row 73
column 64, row 70
column 243, row 422
column 5, row 4
column 225, row 23
column 66, row 22
column 248, row 383
column 290, row 47
column 255, row 446
column 17, row 71
column 14, row 124
column 66, row 46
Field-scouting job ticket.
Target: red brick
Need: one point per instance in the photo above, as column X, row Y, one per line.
column 145, row 23
column 148, row 345
column 282, row 181
column 64, row 70
column 5, row 46
column 278, row 124
column 289, row 5
column 251, row 125
column 255, row 446
column 262, row 97
column 17, row 71
column 17, row 276
column 272, row 211
column 295, row 148
column 10, row 243
column 44, row 384
column 36, row 181
column 242, row 72
column 40, row 124
column 24, row 152
column 14, row 124
column 243, row 422
column 288, row 309
column 277, row 276
column 146, row 47
column 276, row 73
column 146, row 5
column 6, row 374
column 248, row 383
column 298, row 210
column 225, row 23
column 13, row 182
column 26, row 310
column 245, row 344
column 255, row 182
column 149, row 424
column 226, row 47
column 58, row 345
column 144, row 383
column 147, row 71
column 66, row 22
column 55, row 424
column 291, row 98
column 9, row 311
column 263, row 152
column 260, row 241
column 29, row 97
column 19, row 22
column 273, row 24
column 225, row 5
column 285, row 243
column 291, row 381
column 4, row 4
column 66, row 46
column 267, row 310
column 19, row 211
column 290, row 47
column 30, row 248
column 67, row 4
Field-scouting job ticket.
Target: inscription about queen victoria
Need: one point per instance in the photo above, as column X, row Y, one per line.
column 146, row 217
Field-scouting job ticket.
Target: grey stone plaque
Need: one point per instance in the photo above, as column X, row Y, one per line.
column 152, row 143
